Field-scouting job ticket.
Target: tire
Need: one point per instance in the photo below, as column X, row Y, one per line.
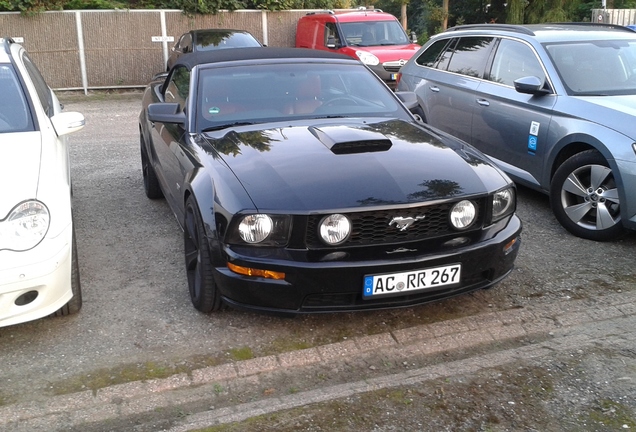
column 151, row 183
column 418, row 111
column 75, row 303
column 584, row 197
column 203, row 291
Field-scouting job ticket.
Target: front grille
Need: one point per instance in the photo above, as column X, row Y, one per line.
column 393, row 66
column 372, row 227
column 392, row 69
column 347, row 301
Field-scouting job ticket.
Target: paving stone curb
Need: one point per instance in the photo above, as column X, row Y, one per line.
column 555, row 321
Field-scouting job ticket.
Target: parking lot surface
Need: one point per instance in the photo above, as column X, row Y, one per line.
column 138, row 356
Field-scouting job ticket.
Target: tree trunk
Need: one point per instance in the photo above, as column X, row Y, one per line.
column 445, row 20
column 403, row 16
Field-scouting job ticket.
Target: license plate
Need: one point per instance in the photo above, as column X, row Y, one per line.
column 399, row 283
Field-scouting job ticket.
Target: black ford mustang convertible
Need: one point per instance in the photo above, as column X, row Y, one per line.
column 303, row 184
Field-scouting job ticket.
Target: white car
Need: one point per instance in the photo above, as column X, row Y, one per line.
column 39, row 272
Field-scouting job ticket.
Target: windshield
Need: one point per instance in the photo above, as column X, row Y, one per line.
column 221, row 40
column 596, row 68
column 262, row 93
column 15, row 115
column 374, row 33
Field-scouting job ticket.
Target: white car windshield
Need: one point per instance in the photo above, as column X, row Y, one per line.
column 596, row 68
column 15, row 115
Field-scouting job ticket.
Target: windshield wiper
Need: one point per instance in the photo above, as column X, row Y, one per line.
column 227, row 125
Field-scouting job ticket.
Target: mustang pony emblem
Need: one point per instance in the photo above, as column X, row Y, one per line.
column 403, row 223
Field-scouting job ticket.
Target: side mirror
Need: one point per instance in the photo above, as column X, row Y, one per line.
column 166, row 113
column 67, row 122
column 530, row 85
column 409, row 99
column 413, row 37
column 331, row 42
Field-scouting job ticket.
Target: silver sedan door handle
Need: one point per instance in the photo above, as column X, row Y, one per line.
column 483, row 102
column 434, row 89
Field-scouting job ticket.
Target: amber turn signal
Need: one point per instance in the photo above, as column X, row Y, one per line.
column 256, row 272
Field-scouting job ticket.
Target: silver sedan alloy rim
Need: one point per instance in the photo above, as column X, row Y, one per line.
column 590, row 198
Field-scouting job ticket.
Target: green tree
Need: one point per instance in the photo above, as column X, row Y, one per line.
column 515, row 11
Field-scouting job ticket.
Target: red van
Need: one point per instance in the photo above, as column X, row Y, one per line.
column 374, row 37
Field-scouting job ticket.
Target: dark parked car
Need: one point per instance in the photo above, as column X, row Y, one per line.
column 554, row 105
column 211, row 40
column 303, row 184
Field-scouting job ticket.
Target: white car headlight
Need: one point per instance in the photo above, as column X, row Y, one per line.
column 255, row 228
column 25, row 226
column 503, row 203
column 463, row 214
column 335, row 229
column 368, row 58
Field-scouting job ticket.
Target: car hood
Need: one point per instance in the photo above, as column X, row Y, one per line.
column 19, row 168
column 615, row 112
column 342, row 166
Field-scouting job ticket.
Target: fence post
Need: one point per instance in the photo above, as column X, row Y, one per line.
column 82, row 55
column 265, row 31
column 164, row 37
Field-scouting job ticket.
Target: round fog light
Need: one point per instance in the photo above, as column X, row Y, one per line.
column 335, row 229
column 463, row 214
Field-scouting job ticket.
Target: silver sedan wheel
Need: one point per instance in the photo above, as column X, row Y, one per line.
column 590, row 198
column 585, row 197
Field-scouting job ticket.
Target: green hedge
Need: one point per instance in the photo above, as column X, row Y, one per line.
column 188, row 6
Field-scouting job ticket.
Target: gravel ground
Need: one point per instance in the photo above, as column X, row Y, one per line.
column 137, row 322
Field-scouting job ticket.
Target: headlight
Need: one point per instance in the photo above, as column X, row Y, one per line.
column 25, row 227
column 503, row 203
column 463, row 214
column 255, row 228
column 368, row 58
column 335, row 229
column 261, row 230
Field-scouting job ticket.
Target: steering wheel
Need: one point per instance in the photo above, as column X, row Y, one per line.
column 341, row 101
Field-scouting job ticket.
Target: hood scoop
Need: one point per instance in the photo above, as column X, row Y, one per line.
column 347, row 140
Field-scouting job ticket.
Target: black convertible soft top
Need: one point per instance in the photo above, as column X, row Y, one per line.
column 266, row 53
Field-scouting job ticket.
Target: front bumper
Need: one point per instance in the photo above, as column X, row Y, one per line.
column 43, row 272
column 312, row 286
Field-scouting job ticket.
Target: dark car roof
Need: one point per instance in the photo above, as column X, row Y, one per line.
column 550, row 32
column 204, row 32
column 216, row 30
column 240, row 54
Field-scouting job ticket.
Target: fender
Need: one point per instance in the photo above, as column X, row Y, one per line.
column 200, row 185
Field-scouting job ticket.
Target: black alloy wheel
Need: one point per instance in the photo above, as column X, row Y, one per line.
column 151, row 183
column 75, row 303
column 203, row 291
